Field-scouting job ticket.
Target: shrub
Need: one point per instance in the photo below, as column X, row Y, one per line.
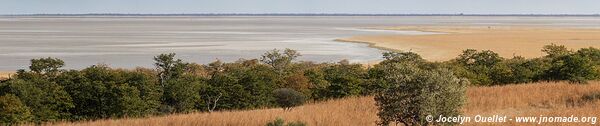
column 13, row 111
column 298, row 82
column 416, row 93
column 574, row 68
column 554, row 50
column 394, row 57
column 281, row 122
column 101, row 92
column 481, row 65
column 47, row 100
column 288, row 98
column 591, row 96
column 345, row 80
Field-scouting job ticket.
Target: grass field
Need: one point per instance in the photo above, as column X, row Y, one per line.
column 554, row 99
column 5, row 75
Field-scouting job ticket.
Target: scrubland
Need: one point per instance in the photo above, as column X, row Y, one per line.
column 535, row 99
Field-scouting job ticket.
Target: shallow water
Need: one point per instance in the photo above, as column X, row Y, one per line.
column 133, row 41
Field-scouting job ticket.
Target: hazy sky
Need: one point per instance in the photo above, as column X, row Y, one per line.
column 303, row 6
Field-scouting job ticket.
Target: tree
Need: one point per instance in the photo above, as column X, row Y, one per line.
column 318, row 83
column 395, row 57
column 183, row 93
column 575, row 68
column 180, row 91
column 13, row 111
column 47, row 101
column 523, row 70
column 101, row 92
column 168, row 67
column 553, row 50
column 48, row 66
column 471, row 57
column 241, row 85
column 298, row 82
column 279, row 61
column 344, row 80
column 416, row 93
column 479, row 64
column 288, row 98
column 591, row 53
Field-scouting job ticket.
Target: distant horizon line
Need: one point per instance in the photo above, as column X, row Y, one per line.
column 282, row 14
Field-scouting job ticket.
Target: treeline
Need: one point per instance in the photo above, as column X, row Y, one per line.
column 46, row 92
column 559, row 63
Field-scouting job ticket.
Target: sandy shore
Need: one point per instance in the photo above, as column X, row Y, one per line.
column 508, row 41
column 5, row 74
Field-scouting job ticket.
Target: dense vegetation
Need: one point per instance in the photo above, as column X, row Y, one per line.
column 46, row 92
column 417, row 91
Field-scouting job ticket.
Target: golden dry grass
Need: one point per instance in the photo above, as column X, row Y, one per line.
column 532, row 100
column 512, row 100
column 343, row 112
column 505, row 40
column 5, row 74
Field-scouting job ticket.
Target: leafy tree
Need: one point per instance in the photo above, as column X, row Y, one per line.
column 318, row 83
column 344, row 80
column 101, row 92
column 168, row 67
column 298, row 82
column 48, row 66
column 259, row 81
column 183, row 93
column 47, row 101
column 145, row 81
column 486, row 58
column 524, row 70
column 502, row 73
column 416, row 93
column 575, row 68
column 38, row 90
column 554, row 50
column 591, row 53
column 13, row 111
column 278, row 60
column 242, row 85
column 288, row 98
column 395, row 57
column 480, row 65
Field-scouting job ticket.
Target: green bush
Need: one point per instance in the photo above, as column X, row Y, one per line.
column 481, row 65
column 101, row 92
column 288, row 98
column 47, row 100
column 344, row 80
column 553, row 50
column 13, row 111
column 574, row 68
column 416, row 93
